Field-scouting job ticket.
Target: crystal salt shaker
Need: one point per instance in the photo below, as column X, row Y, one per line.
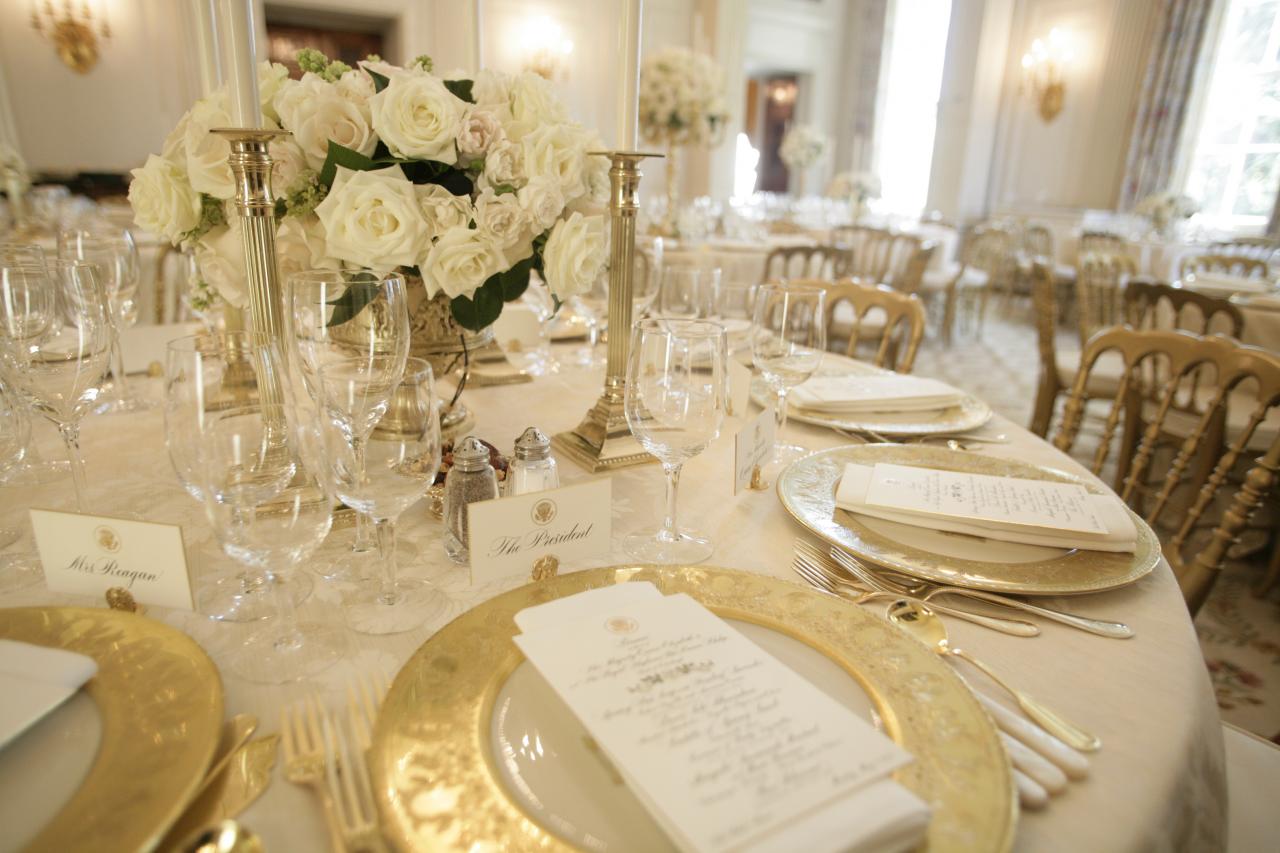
column 470, row 479
column 533, row 469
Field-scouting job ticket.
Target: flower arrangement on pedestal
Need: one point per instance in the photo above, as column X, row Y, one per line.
column 468, row 184
column 857, row 187
column 1164, row 209
column 681, row 103
column 14, row 179
column 802, row 146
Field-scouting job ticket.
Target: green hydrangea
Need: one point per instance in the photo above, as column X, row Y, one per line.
column 307, row 193
column 425, row 62
column 211, row 216
column 313, row 61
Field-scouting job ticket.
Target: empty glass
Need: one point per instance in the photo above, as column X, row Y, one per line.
column 380, row 478
column 16, row 570
column 677, row 389
column 788, row 337
column 688, row 292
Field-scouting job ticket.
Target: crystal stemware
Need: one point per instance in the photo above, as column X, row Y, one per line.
column 788, row 337
column 203, row 375
column 676, row 395
column 16, row 570
column 55, row 342
column 380, row 478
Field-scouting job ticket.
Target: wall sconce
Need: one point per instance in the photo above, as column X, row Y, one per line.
column 546, row 49
column 1043, row 69
column 72, row 30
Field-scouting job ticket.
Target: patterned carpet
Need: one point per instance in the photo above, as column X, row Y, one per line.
column 1239, row 633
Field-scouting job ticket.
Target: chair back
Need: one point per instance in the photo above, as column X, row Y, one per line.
column 1156, row 305
column 1262, row 248
column 990, row 248
column 791, row 262
column 1037, row 240
column 1100, row 282
column 1240, row 265
column 909, row 256
column 891, row 321
column 1044, row 302
column 1101, row 242
column 870, row 250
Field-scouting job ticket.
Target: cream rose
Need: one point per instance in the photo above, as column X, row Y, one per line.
column 300, row 245
column 557, row 151
column 479, row 129
column 542, row 201
column 501, row 219
column 492, row 91
column 503, row 166
column 271, row 77
column 373, row 219
column 417, row 117
column 444, row 210
column 207, row 153
column 356, row 86
column 533, row 104
column 163, row 202
column 220, row 259
column 329, row 116
column 459, row 262
column 288, row 164
column 574, row 255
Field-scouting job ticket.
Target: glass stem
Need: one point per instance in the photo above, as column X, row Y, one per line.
column 287, row 634
column 117, row 362
column 386, row 528
column 669, row 530
column 71, row 438
column 365, row 536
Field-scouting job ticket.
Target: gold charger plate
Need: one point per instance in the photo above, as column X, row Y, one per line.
column 442, row 784
column 807, row 489
column 160, row 700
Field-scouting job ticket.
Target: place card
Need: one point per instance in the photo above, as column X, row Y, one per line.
column 89, row 554
column 739, row 388
column 751, row 448
column 507, row 535
column 728, row 748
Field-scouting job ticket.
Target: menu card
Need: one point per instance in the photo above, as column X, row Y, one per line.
column 728, row 748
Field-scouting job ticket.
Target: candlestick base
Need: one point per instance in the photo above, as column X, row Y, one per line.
column 603, row 441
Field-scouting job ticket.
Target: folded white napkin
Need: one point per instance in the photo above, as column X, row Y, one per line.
column 868, row 394
column 34, row 680
column 890, row 819
column 1121, row 535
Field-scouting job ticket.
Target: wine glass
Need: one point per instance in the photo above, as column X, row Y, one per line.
column 114, row 251
column 55, row 343
column 788, row 337
column 260, row 477
column 688, row 292
column 16, row 570
column 203, row 375
column 381, row 479
column 593, row 304
column 677, row 390
column 336, row 315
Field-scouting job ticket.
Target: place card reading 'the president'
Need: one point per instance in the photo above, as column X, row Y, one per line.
column 89, row 554
column 509, row 534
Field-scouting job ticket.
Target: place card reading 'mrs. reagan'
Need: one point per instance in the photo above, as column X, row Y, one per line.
column 508, row 535
column 89, row 554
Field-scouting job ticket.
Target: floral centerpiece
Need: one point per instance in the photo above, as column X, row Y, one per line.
column 681, row 103
column 857, row 187
column 15, row 180
column 1166, row 208
column 802, row 146
column 469, row 185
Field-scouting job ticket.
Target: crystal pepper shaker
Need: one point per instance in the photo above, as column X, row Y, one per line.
column 534, row 468
column 470, row 479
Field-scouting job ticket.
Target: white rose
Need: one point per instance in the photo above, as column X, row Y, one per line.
column 574, row 255
column 459, row 262
column 220, row 259
column 492, row 91
column 300, row 246
column 292, row 97
column 271, row 77
column 442, row 209
column 417, row 117
column 501, row 219
column 329, row 116
column 503, row 166
column 534, row 103
column 373, row 219
column 163, row 202
column 207, row 153
column 479, row 129
column 558, row 151
column 542, row 201
column 174, row 148
column 595, row 174
column 356, row 86
column 288, row 164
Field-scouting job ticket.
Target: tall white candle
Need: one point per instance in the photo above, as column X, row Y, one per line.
column 205, row 16
column 235, row 32
column 629, row 91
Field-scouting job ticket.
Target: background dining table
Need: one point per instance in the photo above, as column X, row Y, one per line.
column 1158, row 782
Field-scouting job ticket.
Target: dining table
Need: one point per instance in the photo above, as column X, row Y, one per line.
column 1158, row 783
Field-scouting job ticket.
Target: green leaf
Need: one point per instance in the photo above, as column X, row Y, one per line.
column 461, row 89
column 340, row 155
column 380, row 81
column 515, row 280
column 359, row 294
column 481, row 309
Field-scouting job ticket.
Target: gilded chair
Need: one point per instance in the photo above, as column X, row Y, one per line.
column 1240, row 265
column 909, row 257
column 870, row 250
column 1101, row 242
column 1261, row 248
column 1247, row 379
column 890, row 321
column 1037, row 240
column 1154, row 305
column 1100, row 284
column 791, row 262
column 988, row 261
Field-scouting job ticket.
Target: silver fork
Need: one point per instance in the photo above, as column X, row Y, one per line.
column 927, row 591
column 302, row 738
column 823, row 579
column 347, row 776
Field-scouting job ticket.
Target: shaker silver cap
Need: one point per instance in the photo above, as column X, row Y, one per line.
column 533, row 445
column 471, row 454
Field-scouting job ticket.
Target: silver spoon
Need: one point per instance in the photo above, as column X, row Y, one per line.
column 922, row 623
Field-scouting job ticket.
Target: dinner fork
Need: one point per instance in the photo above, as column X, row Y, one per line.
column 347, row 775
column 825, row 581
column 927, row 591
column 302, row 739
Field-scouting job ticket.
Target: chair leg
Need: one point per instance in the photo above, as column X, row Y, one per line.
column 1042, row 415
column 949, row 315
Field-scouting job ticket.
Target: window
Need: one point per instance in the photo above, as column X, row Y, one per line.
column 1235, row 170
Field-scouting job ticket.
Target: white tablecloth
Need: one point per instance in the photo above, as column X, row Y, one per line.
column 740, row 262
column 1156, row 785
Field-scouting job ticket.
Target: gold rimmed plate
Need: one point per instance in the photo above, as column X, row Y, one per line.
column 473, row 751
column 807, row 490
column 128, row 751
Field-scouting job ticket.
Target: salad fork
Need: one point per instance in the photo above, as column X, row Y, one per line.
column 303, row 742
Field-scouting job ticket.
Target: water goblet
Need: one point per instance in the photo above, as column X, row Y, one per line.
column 688, row 292
column 788, row 337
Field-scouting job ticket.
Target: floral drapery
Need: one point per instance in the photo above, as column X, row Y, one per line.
column 1166, row 90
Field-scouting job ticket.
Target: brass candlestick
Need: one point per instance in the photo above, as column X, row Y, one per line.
column 603, row 441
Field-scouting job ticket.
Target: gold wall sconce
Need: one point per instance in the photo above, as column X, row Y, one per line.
column 546, row 49
column 1044, row 71
column 74, row 29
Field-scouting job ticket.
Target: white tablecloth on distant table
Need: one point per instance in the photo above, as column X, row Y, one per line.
column 740, row 261
column 1157, row 784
